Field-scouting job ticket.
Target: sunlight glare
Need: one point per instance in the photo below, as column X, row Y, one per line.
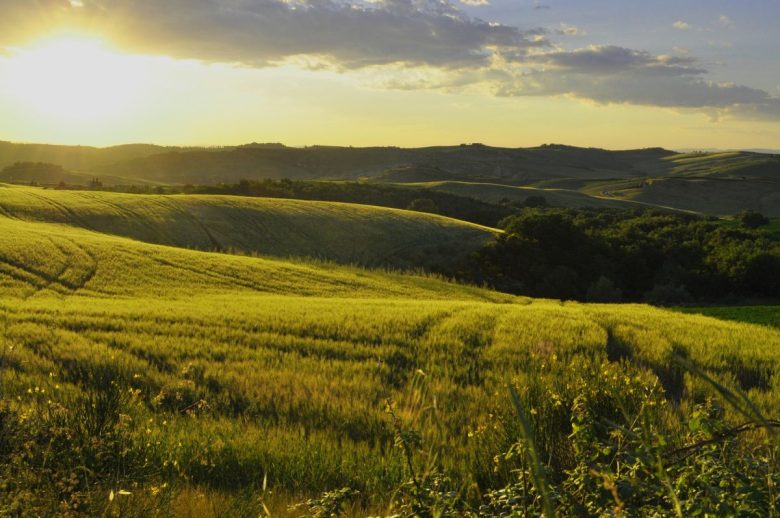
column 76, row 79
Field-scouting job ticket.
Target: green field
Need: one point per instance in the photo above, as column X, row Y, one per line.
column 339, row 232
column 764, row 315
column 494, row 193
column 707, row 195
column 141, row 379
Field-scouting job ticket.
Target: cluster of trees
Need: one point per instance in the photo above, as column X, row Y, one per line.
column 612, row 255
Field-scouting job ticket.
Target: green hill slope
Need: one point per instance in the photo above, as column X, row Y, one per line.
column 734, row 164
column 707, row 195
column 45, row 259
column 178, row 378
column 340, row 232
column 493, row 193
column 73, row 157
column 50, row 174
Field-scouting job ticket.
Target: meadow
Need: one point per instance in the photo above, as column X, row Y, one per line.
column 147, row 380
column 339, row 232
column 764, row 315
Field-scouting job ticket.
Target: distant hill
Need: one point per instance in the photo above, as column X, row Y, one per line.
column 82, row 158
column 255, row 161
column 51, row 174
column 494, row 193
column 471, row 162
column 587, row 174
column 339, row 232
column 713, row 196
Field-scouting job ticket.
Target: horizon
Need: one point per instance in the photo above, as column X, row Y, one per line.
column 612, row 75
column 348, row 146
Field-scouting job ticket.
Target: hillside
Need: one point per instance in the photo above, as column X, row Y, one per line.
column 475, row 162
column 340, row 232
column 712, row 195
column 191, row 377
column 83, row 158
column 51, row 174
column 464, row 162
column 467, row 170
column 44, row 259
column 230, row 387
column 727, row 165
column 494, row 193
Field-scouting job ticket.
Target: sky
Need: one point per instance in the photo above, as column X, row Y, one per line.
column 615, row 74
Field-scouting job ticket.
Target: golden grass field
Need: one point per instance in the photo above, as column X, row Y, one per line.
column 243, row 369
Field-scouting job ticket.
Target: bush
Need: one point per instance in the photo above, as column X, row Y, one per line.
column 604, row 290
column 424, row 205
column 663, row 294
column 752, row 219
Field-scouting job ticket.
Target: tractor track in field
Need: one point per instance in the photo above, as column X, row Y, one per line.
column 54, row 281
column 214, row 242
column 75, row 217
column 49, row 279
column 91, row 269
column 201, row 273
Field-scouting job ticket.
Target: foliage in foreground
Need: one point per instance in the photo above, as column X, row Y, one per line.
column 140, row 380
column 585, row 440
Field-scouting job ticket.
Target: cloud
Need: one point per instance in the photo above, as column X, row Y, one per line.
column 615, row 75
column 681, row 25
column 609, row 59
column 262, row 32
column 400, row 44
column 569, row 30
column 475, row 2
column 725, row 21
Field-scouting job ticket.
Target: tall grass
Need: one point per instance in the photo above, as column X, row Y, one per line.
column 158, row 374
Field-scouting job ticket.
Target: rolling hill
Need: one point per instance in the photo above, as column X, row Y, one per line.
column 464, row 162
column 50, row 174
column 494, row 193
column 711, row 195
column 340, row 232
column 82, row 158
column 184, row 382
column 468, row 170
column 47, row 259
column 475, row 162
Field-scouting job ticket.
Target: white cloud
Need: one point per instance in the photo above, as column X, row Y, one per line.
column 569, row 30
column 402, row 44
column 725, row 21
column 681, row 25
column 475, row 2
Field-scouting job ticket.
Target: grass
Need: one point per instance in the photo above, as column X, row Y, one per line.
column 339, row 232
column 763, row 315
column 493, row 193
column 45, row 259
column 183, row 381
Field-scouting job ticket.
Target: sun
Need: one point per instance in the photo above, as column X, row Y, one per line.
column 76, row 79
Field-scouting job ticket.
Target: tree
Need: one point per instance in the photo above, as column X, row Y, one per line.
column 424, row 205
column 535, row 202
column 603, row 290
column 752, row 219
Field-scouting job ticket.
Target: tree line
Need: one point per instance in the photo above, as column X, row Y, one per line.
column 607, row 255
